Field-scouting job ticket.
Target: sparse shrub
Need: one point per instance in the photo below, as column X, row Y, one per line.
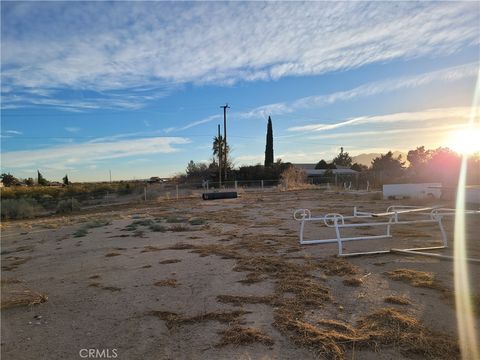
column 174, row 219
column 80, row 232
column 178, row 228
column 97, row 223
column 157, row 228
column 293, row 178
column 196, row 221
column 66, row 206
column 143, row 222
column 20, row 208
column 152, row 194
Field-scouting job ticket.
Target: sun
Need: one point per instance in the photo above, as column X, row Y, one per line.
column 465, row 141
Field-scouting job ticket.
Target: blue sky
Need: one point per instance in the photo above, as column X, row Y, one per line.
column 136, row 87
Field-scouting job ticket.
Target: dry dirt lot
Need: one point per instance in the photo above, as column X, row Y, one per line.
column 224, row 279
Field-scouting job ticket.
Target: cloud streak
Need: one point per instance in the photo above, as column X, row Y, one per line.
column 108, row 47
column 447, row 75
column 457, row 114
column 85, row 153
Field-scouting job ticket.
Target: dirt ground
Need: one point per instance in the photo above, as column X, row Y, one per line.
column 226, row 279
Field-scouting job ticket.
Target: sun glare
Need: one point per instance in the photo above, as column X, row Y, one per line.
column 465, row 141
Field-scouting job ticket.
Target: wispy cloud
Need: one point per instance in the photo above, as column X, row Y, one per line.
column 86, row 153
column 13, row 132
column 446, row 75
column 108, row 47
column 457, row 114
column 72, row 129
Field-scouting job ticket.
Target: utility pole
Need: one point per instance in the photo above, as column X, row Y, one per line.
column 225, row 107
column 110, row 172
column 219, row 158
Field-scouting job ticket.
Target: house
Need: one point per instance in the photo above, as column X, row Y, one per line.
column 340, row 174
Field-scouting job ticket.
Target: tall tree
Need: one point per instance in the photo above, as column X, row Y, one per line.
column 322, row 164
column 41, row 180
column 343, row 159
column 387, row 166
column 8, row 179
column 269, row 145
column 65, row 180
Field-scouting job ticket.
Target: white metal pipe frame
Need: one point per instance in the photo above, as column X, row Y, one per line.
column 395, row 215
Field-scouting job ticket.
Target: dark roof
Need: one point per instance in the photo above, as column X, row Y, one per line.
column 311, row 171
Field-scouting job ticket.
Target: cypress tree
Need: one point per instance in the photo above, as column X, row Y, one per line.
column 269, row 145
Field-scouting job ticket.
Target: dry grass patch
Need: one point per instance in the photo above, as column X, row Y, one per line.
column 166, row 282
column 109, row 288
column 15, row 263
column 112, row 254
column 385, row 327
column 390, row 327
column 180, row 246
column 238, row 335
column 25, row 297
column 416, row 278
column 398, row 300
column 150, row 248
column 173, row 319
column 251, row 279
column 178, row 228
column 9, row 281
column 337, row 266
column 356, row 282
column 225, row 252
column 238, row 300
column 170, row 261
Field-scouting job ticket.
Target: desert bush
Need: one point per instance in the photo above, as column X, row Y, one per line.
column 152, row 194
column 66, row 206
column 157, row 228
column 293, row 178
column 20, row 208
column 196, row 221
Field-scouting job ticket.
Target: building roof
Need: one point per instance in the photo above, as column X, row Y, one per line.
column 320, row 172
column 311, row 171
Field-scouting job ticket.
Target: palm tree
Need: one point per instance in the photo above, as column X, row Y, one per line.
column 218, row 148
column 218, row 145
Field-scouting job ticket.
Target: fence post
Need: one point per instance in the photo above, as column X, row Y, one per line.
column 236, row 185
column 72, row 203
column 145, row 193
column 262, row 185
column 176, row 186
column 336, row 179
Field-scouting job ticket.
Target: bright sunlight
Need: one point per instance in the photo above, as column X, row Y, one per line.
column 465, row 141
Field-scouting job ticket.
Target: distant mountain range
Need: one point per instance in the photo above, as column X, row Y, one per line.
column 366, row 159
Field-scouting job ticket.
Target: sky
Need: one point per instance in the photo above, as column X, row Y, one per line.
column 135, row 88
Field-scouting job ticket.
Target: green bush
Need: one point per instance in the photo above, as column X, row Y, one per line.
column 157, row 228
column 196, row 221
column 80, row 232
column 66, row 206
column 20, row 208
